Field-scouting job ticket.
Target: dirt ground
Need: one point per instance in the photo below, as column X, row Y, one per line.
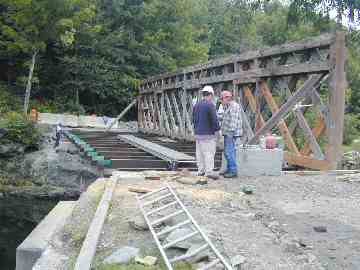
column 273, row 227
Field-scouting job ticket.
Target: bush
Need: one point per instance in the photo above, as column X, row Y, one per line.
column 8, row 102
column 351, row 128
column 19, row 130
column 44, row 106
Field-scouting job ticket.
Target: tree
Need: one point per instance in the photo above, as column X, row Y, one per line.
column 311, row 9
column 28, row 26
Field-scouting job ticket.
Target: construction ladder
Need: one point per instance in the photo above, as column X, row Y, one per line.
column 168, row 193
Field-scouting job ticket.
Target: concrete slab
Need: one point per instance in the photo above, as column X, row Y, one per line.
column 33, row 246
column 89, row 245
column 257, row 161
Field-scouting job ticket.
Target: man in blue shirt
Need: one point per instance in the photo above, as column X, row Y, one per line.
column 206, row 124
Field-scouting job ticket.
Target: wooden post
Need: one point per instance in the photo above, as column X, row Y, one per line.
column 122, row 114
column 337, row 86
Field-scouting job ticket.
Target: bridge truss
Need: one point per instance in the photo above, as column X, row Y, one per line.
column 296, row 90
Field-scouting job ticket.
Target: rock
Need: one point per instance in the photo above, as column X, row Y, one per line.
column 57, row 168
column 67, row 148
column 203, row 255
column 11, row 150
column 193, row 180
column 181, row 232
column 122, row 255
column 320, row 228
column 138, row 223
column 248, row 190
column 185, row 172
column 237, row 261
column 311, row 258
column 147, row 261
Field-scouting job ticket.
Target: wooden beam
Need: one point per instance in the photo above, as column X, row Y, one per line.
column 174, row 131
column 337, row 100
column 122, row 114
column 310, row 138
column 252, row 103
column 305, row 89
column 282, row 125
column 306, row 161
column 248, row 76
column 317, row 42
column 318, row 129
column 178, row 115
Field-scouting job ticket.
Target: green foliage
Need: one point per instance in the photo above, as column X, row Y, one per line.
column 19, row 130
column 351, row 128
column 7, row 101
column 48, row 106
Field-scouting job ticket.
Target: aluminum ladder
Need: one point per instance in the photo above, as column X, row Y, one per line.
column 148, row 206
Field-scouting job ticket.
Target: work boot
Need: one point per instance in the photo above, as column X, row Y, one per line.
column 213, row 176
column 230, row 175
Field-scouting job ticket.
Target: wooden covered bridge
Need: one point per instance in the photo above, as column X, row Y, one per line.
column 296, row 90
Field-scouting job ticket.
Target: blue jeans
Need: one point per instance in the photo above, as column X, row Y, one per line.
column 230, row 154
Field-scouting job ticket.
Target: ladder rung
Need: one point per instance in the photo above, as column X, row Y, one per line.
column 169, row 245
column 158, row 221
column 158, row 199
column 186, row 256
column 170, row 229
column 161, row 208
column 152, row 192
column 209, row 265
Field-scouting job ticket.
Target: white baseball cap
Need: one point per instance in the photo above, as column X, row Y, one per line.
column 208, row 88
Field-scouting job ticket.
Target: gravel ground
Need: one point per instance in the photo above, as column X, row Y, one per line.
column 273, row 227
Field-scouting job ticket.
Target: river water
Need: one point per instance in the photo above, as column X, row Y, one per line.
column 19, row 215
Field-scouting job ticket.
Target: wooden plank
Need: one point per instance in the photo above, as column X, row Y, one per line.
column 259, row 121
column 158, row 113
column 139, row 190
column 189, row 114
column 305, row 89
column 306, row 161
column 178, row 115
column 310, row 138
column 317, row 42
column 337, row 87
column 252, row 104
column 248, row 76
column 121, row 114
column 184, row 113
column 174, row 130
column 157, row 150
column 164, row 116
column 140, row 113
column 317, row 131
column 153, row 113
column 282, row 125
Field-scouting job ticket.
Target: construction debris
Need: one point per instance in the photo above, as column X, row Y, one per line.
column 349, row 178
column 139, row 189
column 147, row 261
column 150, row 212
column 351, row 160
column 123, row 255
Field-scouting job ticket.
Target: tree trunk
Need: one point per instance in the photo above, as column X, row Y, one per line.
column 28, row 85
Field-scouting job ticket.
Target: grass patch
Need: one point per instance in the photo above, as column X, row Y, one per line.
column 354, row 146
